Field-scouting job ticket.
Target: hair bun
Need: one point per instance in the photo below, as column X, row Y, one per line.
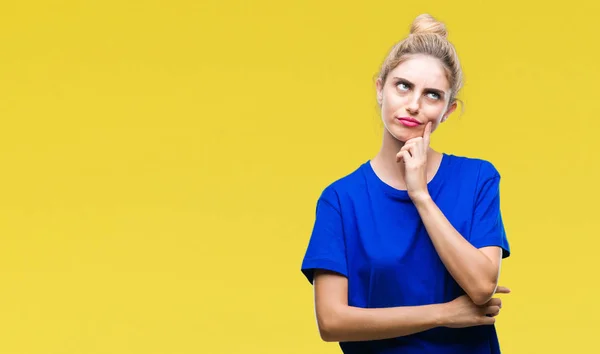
column 425, row 23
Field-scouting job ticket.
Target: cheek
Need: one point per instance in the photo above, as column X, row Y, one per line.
column 393, row 102
column 434, row 112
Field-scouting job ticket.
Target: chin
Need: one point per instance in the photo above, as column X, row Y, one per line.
column 402, row 134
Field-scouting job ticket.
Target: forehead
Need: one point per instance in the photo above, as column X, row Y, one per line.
column 422, row 70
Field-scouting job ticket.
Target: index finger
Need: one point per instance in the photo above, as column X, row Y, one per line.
column 427, row 133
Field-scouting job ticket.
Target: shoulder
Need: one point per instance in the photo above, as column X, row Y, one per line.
column 474, row 167
column 344, row 185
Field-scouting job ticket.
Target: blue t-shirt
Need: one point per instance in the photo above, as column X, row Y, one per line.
column 372, row 233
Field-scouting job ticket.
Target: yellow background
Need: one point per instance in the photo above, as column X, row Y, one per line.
column 161, row 161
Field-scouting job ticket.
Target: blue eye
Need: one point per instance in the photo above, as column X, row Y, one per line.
column 402, row 86
column 433, row 95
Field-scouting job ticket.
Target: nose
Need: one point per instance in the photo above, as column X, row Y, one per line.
column 413, row 104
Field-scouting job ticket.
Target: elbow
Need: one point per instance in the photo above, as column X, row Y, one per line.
column 329, row 327
column 483, row 293
column 327, row 334
column 327, row 330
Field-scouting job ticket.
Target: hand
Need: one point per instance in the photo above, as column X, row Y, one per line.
column 413, row 156
column 462, row 312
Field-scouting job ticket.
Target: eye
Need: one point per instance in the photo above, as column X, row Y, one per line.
column 433, row 95
column 403, row 86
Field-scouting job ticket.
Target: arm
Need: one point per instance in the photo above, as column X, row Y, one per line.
column 475, row 270
column 339, row 322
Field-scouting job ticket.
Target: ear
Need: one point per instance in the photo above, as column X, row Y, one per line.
column 379, row 86
column 449, row 111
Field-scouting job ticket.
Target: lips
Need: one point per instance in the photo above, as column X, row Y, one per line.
column 409, row 122
column 409, row 119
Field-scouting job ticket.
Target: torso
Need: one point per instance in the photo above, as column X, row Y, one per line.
column 391, row 260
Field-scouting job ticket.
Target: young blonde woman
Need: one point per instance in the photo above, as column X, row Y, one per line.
column 406, row 250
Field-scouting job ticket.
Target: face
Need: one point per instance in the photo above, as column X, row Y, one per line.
column 415, row 92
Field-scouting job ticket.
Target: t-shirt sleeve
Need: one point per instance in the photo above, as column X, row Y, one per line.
column 488, row 227
column 326, row 248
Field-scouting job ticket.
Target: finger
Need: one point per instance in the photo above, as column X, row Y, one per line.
column 492, row 309
column 502, row 290
column 407, row 147
column 402, row 156
column 413, row 150
column 494, row 302
column 405, row 155
column 427, row 134
column 488, row 320
column 494, row 314
column 413, row 140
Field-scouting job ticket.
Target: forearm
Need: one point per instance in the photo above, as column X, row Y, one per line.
column 470, row 267
column 347, row 323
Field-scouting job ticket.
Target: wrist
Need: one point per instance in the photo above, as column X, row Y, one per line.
column 420, row 197
column 441, row 315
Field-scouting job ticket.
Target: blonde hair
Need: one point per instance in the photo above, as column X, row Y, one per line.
column 429, row 37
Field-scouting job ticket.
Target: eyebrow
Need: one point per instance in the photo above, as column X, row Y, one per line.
column 430, row 89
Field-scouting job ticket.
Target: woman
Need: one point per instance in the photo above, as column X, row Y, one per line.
column 405, row 252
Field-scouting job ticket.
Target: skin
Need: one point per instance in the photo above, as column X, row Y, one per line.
column 416, row 88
